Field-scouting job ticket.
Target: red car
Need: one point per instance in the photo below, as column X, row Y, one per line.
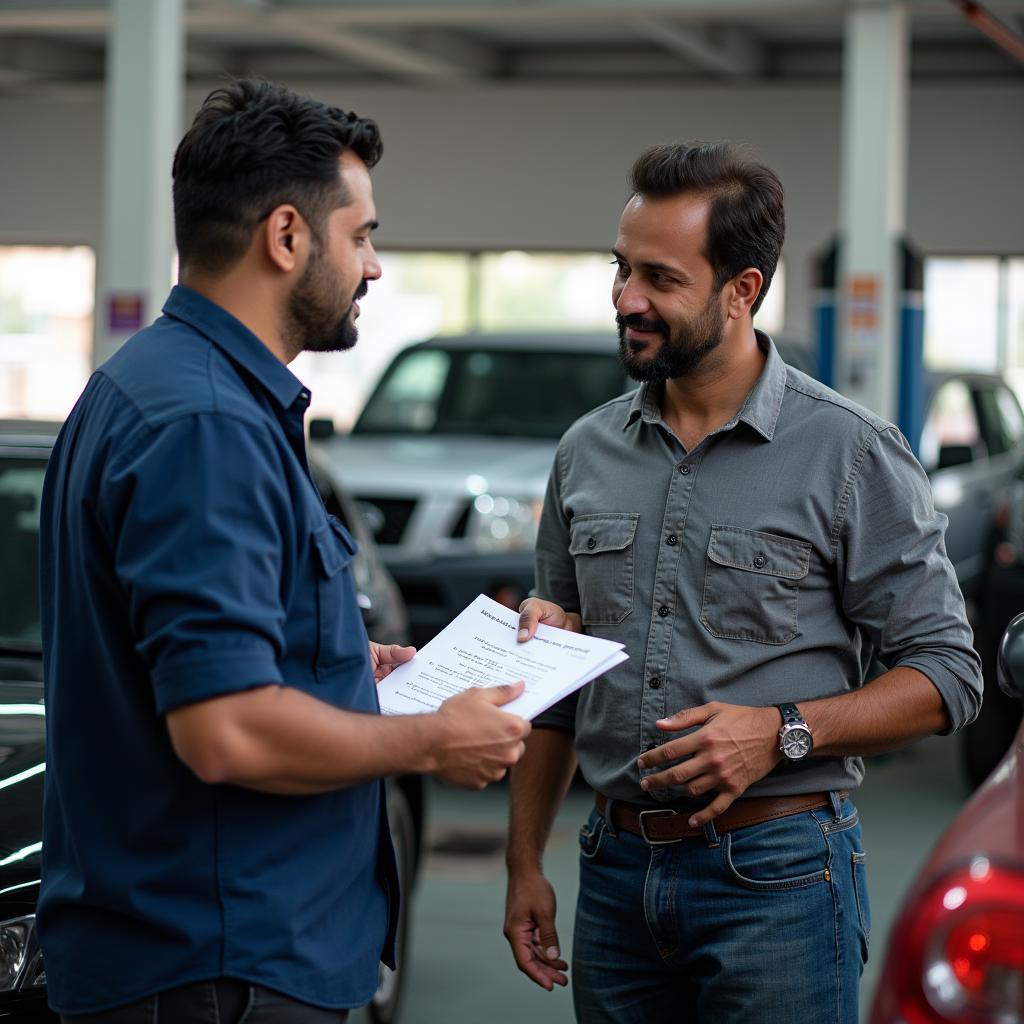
column 956, row 951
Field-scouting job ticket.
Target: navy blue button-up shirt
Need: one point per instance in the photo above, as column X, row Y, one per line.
column 186, row 554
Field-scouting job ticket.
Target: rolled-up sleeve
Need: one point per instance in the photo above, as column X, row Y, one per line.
column 897, row 584
column 199, row 518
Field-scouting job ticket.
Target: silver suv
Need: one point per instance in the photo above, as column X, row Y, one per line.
column 450, row 457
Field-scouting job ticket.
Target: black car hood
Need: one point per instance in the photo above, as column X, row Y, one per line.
column 22, row 753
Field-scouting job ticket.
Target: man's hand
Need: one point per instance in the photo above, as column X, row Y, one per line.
column 385, row 658
column 733, row 747
column 480, row 742
column 530, row 929
column 534, row 611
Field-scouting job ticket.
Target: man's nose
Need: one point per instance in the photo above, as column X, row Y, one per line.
column 372, row 268
column 631, row 299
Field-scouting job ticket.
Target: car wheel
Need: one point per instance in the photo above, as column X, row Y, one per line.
column 383, row 1009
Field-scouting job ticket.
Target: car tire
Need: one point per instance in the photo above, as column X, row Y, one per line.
column 383, row 1009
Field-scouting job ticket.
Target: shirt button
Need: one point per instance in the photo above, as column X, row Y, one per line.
column 591, row 543
column 685, row 470
column 673, row 540
column 663, row 610
column 759, row 561
column 655, row 683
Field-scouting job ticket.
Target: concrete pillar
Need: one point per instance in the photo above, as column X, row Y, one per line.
column 872, row 201
column 145, row 98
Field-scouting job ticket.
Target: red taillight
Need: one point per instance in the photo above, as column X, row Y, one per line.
column 957, row 953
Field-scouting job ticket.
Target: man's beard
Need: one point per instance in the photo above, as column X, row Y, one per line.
column 313, row 321
column 679, row 354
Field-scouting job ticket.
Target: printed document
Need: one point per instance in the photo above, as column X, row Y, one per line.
column 479, row 648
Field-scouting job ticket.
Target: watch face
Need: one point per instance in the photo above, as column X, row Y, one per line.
column 796, row 744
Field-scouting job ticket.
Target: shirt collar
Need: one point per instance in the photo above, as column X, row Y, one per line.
column 236, row 340
column 760, row 410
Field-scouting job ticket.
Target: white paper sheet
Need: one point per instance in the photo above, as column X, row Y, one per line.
column 479, row 648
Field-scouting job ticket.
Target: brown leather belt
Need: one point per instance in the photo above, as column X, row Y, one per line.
column 668, row 825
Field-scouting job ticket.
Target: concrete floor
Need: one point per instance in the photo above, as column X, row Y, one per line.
column 461, row 970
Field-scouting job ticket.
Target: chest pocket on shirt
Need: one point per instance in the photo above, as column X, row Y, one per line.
column 337, row 604
column 602, row 547
column 751, row 585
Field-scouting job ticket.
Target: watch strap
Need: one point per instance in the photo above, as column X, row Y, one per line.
column 790, row 713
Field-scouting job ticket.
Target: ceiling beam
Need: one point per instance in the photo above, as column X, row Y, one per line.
column 1001, row 34
column 405, row 59
column 49, row 58
column 731, row 54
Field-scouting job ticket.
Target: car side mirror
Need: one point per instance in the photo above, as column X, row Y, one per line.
column 955, row 455
column 1010, row 663
column 321, row 429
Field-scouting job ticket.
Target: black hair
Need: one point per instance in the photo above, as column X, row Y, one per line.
column 252, row 146
column 747, row 218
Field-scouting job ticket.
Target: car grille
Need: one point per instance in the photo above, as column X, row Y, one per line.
column 389, row 526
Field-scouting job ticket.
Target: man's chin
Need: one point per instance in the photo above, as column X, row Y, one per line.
column 341, row 341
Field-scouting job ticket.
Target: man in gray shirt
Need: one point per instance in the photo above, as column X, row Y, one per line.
column 753, row 538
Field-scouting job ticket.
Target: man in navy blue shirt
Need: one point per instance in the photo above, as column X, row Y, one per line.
column 214, row 839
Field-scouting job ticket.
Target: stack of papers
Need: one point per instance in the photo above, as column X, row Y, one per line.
column 479, row 648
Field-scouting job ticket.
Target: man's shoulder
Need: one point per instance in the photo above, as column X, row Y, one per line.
column 606, row 420
column 169, row 370
column 811, row 397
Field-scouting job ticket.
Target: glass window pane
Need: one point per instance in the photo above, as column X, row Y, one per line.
column 772, row 315
column 951, row 423
column 524, row 291
column 21, row 485
column 408, row 397
column 46, row 309
column 961, row 313
column 524, row 393
column 1015, row 311
column 419, row 295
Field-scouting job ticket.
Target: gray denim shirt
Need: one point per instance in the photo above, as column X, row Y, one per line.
column 766, row 565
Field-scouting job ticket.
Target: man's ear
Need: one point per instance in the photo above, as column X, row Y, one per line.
column 742, row 291
column 285, row 238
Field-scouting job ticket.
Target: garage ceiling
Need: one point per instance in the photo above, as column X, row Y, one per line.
column 51, row 45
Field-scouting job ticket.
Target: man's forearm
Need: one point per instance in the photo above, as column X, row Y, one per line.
column 538, row 786
column 898, row 708
column 281, row 740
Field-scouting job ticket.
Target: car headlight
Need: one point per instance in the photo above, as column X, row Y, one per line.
column 500, row 523
column 16, row 942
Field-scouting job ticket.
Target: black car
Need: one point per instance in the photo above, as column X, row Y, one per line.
column 24, row 450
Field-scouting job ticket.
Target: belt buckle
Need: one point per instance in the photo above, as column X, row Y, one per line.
column 661, row 811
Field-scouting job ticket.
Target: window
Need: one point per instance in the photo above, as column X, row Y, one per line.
column 961, row 301
column 974, row 313
column 46, row 319
column 21, row 485
column 522, row 391
column 1002, row 418
column 951, row 432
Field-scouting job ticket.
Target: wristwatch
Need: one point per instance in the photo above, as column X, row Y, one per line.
column 795, row 740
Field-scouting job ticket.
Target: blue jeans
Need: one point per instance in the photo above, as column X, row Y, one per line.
column 766, row 924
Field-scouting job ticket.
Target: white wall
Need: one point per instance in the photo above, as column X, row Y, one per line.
column 544, row 166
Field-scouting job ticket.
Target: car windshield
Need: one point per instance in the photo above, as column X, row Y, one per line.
column 490, row 392
column 21, row 485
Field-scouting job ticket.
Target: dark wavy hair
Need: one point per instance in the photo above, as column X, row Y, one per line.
column 747, row 222
column 252, row 146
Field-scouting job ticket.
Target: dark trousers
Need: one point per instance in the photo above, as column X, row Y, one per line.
column 224, row 1001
